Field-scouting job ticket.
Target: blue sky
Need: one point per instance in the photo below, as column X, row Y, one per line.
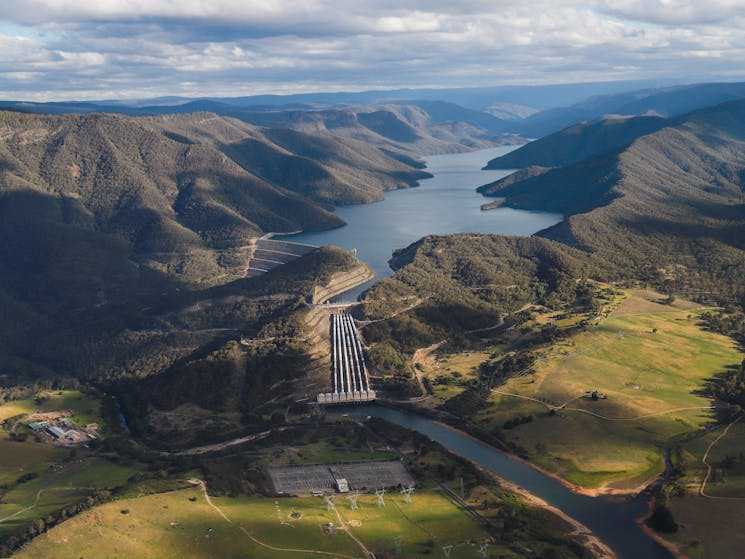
column 98, row 49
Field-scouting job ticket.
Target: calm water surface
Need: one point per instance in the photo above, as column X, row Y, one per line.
column 445, row 204
column 612, row 519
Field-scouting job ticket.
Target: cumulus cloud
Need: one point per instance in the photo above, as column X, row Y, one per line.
column 122, row 48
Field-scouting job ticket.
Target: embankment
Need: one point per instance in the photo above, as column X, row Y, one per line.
column 341, row 282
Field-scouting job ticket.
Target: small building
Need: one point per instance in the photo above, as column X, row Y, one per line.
column 38, row 425
column 56, row 432
column 342, row 485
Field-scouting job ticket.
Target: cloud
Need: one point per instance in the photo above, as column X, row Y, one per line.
column 677, row 12
column 53, row 49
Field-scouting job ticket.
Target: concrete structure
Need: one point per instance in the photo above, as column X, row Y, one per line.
column 350, row 382
column 342, row 485
column 269, row 253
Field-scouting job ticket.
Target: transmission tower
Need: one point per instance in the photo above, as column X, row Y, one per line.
column 380, row 494
column 446, row 551
column 407, row 491
column 482, row 549
column 353, row 500
column 329, row 502
column 397, row 542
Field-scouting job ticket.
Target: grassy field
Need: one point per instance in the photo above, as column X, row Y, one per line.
column 702, row 533
column 17, row 459
column 183, row 524
column 86, row 408
column 38, row 479
column 455, row 370
column 649, row 358
column 69, row 483
column 708, row 528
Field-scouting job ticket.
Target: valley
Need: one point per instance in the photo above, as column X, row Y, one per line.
column 584, row 334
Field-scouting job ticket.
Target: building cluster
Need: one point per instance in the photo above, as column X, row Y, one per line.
column 63, row 430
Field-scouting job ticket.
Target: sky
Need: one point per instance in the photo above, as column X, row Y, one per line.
column 130, row 49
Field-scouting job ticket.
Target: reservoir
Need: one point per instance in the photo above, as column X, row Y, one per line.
column 445, row 204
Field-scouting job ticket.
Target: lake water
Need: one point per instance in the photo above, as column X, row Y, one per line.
column 445, row 204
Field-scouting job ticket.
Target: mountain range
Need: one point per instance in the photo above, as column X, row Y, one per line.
column 124, row 238
column 665, row 204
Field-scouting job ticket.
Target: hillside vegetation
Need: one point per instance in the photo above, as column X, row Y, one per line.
column 662, row 102
column 578, row 142
column 416, row 127
column 667, row 208
column 102, row 215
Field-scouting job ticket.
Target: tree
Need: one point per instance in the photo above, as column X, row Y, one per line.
column 662, row 520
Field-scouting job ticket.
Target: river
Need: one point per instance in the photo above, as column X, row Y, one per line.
column 445, row 204
column 610, row 518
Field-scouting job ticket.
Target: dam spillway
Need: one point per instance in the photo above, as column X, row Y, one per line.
column 350, row 382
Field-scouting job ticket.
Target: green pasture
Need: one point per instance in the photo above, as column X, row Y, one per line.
column 66, row 484
column 650, row 359
column 183, row 524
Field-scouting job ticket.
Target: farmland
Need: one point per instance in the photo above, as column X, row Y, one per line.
column 701, row 532
column 650, row 357
column 37, row 480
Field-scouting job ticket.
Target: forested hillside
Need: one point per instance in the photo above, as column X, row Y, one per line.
column 447, row 287
column 178, row 196
column 421, row 128
column 123, row 240
column 578, row 142
column 667, row 208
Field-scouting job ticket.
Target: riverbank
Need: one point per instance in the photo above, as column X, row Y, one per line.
column 671, row 547
column 581, row 533
column 612, row 520
column 603, row 491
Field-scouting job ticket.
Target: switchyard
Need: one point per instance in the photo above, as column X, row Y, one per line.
column 340, row 478
column 350, row 382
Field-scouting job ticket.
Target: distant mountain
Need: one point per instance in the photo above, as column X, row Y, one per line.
column 683, row 99
column 666, row 102
column 578, row 142
column 477, row 98
column 177, row 188
column 510, row 111
column 417, row 128
column 421, row 128
column 667, row 207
